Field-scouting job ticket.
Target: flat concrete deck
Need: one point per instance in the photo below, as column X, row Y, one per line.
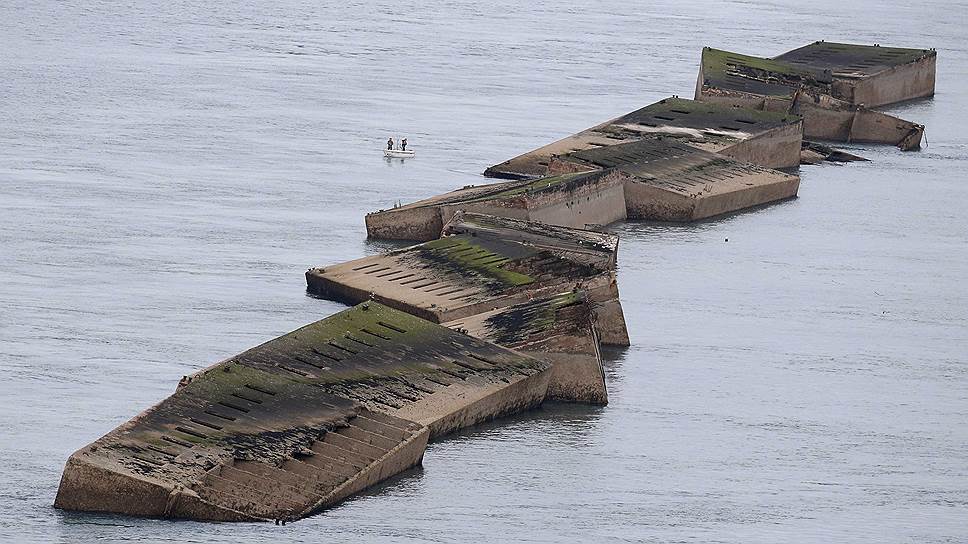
column 766, row 138
column 870, row 74
column 666, row 180
column 301, row 422
column 483, row 266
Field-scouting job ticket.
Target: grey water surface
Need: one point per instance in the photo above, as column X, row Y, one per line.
column 168, row 170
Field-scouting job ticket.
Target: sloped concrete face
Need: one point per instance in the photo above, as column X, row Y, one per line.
column 486, row 264
column 718, row 128
column 669, row 181
column 559, row 330
column 301, row 422
column 576, row 200
column 831, row 85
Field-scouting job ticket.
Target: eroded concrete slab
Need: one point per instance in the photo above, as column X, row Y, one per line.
column 558, row 329
column 767, row 138
column 301, row 422
column 666, row 180
column 482, row 264
column 814, row 82
column 578, row 200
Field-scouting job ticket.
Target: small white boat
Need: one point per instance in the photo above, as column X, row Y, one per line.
column 398, row 153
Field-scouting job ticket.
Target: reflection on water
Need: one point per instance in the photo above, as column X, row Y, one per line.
column 167, row 174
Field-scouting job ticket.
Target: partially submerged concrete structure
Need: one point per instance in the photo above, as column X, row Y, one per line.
column 493, row 313
column 869, row 74
column 484, row 263
column 831, row 85
column 666, row 180
column 766, row 138
column 301, row 422
column 655, row 178
column 558, row 329
column 575, row 200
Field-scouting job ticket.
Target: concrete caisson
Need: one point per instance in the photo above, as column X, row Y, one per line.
column 666, row 180
column 482, row 264
column 301, row 422
column 767, row 138
column 570, row 200
column 833, row 86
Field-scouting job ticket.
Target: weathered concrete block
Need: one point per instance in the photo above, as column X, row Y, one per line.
column 572, row 200
column 831, row 85
column 301, row 422
column 669, row 181
column 559, row 330
column 869, row 74
column 485, row 264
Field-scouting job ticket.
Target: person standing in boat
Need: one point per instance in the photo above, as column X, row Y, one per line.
column 403, row 144
column 390, row 144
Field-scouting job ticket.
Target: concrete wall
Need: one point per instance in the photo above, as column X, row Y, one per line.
column 718, row 204
column 609, row 319
column 648, row 202
column 859, row 125
column 596, row 203
column 645, row 201
column 876, row 127
column 420, row 224
column 90, row 488
column 905, row 82
column 777, row 148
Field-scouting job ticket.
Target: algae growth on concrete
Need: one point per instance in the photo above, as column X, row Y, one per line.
column 301, row 422
column 479, row 266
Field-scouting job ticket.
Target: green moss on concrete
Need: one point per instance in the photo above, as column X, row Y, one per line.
column 460, row 253
column 716, row 61
column 701, row 110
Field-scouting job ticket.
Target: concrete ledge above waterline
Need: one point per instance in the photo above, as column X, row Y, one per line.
column 666, row 180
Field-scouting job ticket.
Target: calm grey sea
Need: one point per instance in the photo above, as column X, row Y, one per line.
column 168, row 170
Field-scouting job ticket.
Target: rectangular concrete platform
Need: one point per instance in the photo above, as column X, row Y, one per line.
column 767, row 138
column 572, row 200
column 870, row 74
column 482, row 264
column 814, row 82
column 301, row 422
column 666, row 180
